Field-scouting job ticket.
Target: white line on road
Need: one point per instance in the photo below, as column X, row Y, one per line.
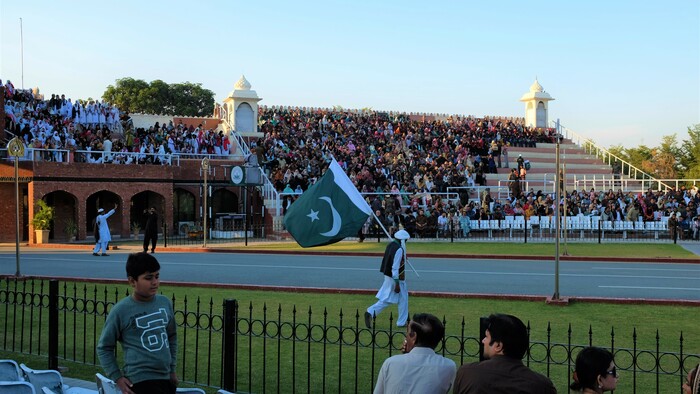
column 270, row 266
column 652, row 288
column 646, row 269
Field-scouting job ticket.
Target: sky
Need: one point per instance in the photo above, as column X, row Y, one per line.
column 621, row 72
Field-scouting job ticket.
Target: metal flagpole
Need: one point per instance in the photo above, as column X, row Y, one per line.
column 21, row 45
column 557, row 217
column 392, row 239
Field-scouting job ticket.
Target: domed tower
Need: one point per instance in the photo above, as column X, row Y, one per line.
column 241, row 108
column 536, row 106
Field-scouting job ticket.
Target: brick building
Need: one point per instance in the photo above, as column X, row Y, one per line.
column 77, row 190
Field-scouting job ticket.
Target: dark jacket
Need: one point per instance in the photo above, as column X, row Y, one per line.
column 501, row 374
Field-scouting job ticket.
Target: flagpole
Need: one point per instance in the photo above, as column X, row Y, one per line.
column 392, row 239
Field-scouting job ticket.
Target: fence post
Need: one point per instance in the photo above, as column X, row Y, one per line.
column 483, row 324
column 600, row 231
column 230, row 336
column 527, row 220
column 165, row 234
column 53, row 324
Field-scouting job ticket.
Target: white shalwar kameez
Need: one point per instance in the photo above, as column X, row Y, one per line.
column 387, row 296
column 105, row 235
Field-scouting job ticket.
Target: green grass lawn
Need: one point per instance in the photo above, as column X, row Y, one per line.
column 636, row 250
column 606, row 325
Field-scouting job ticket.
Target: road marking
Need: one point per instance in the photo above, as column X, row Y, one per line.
column 652, row 288
column 643, row 269
column 270, row 266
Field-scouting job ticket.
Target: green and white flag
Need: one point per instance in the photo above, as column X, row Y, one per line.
column 329, row 211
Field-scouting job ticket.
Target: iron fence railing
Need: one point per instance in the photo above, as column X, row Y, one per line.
column 224, row 344
column 510, row 230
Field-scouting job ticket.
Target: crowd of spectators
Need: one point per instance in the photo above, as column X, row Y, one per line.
column 402, row 163
column 93, row 132
column 404, row 166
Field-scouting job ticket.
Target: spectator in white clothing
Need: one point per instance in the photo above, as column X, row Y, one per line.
column 420, row 370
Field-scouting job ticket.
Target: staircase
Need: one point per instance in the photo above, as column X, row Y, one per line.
column 271, row 198
column 583, row 170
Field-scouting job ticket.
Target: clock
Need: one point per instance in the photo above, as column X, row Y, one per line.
column 237, row 175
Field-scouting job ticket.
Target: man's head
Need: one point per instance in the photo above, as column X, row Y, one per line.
column 506, row 335
column 424, row 330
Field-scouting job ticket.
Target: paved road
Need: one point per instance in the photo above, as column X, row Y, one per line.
column 522, row 277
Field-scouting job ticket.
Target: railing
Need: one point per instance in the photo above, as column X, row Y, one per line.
column 239, row 347
column 515, row 229
column 608, row 157
column 269, row 191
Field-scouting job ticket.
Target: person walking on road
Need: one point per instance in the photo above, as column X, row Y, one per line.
column 393, row 290
column 150, row 234
column 103, row 231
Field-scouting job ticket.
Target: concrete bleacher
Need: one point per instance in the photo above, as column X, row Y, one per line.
column 578, row 163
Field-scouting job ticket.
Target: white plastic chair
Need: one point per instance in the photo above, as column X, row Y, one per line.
column 51, row 380
column 534, row 221
column 9, row 371
column 517, row 224
column 190, row 390
column 545, row 223
column 106, row 385
column 222, row 391
column 18, row 387
column 625, row 226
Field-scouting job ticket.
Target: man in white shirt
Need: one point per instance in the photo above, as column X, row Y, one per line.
column 420, row 369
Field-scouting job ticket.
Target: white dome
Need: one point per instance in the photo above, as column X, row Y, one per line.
column 242, row 84
column 536, row 87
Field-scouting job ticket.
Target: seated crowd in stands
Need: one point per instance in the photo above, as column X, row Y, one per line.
column 402, row 165
column 54, row 126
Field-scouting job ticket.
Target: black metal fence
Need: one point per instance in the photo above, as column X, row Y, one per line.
column 535, row 230
column 243, row 349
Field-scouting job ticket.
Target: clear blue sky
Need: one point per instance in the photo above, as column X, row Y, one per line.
column 622, row 72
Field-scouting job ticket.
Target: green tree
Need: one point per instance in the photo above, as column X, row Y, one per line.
column 191, row 99
column 664, row 159
column 689, row 155
column 158, row 97
column 125, row 94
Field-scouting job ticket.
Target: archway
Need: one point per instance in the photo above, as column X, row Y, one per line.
column 65, row 216
column 107, row 200
column 245, row 118
column 141, row 202
column 183, row 210
column 541, row 115
column 224, row 201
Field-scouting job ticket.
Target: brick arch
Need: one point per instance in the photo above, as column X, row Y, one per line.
column 105, row 199
column 65, row 206
column 143, row 200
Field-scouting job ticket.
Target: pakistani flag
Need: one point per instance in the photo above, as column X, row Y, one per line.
column 329, row 211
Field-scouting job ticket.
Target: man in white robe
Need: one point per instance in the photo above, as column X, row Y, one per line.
column 102, row 229
column 393, row 290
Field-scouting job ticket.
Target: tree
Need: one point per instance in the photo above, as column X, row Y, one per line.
column 689, row 155
column 664, row 158
column 158, row 97
column 126, row 94
column 191, row 99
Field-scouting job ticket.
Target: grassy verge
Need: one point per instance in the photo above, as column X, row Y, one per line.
column 332, row 365
column 659, row 251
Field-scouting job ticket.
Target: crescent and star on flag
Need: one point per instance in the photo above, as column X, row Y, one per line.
column 337, row 220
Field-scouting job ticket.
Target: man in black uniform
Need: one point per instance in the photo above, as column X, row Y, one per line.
column 150, row 234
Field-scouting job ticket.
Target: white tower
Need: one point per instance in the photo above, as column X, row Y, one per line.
column 241, row 108
column 536, row 106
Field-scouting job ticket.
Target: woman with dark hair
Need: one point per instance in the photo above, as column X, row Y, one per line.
column 692, row 382
column 595, row 371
